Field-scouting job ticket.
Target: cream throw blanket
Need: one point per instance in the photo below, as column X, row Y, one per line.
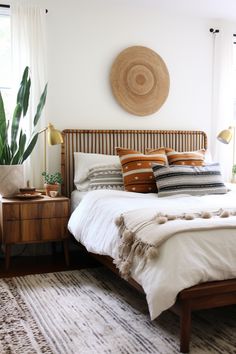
column 143, row 231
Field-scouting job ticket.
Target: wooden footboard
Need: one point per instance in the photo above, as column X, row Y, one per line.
column 199, row 297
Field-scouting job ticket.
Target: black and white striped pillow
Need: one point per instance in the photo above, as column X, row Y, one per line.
column 193, row 180
column 105, row 177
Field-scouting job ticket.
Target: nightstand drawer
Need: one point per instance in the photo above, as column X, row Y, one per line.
column 44, row 210
column 11, row 231
column 44, row 229
column 11, row 212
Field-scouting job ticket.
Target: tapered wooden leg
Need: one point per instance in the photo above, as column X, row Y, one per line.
column 66, row 251
column 7, row 255
column 185, row 327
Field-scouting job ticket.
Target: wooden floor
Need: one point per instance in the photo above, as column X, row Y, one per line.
column 23, row 265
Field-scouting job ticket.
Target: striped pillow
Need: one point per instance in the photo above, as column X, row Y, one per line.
column 192, row 158
column 193, row 180
column 105, row 177
column 137, row 169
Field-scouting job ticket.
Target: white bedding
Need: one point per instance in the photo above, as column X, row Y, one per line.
column 184, row 260
column 75, row 199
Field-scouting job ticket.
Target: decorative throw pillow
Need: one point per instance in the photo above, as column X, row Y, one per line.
column 190, row 158
column 83, row 162
column 193, row 180
column 137, row 169
column 105, row 177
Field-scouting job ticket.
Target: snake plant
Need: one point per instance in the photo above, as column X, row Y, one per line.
column 15, row 146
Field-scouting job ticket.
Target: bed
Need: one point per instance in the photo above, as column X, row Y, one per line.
column 200, row 296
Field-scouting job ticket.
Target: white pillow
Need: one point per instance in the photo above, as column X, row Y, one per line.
column 83, row 162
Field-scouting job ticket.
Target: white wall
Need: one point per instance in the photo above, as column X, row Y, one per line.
column 85, row 36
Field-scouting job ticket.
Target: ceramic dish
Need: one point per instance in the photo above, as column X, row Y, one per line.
column 28, row 195
column 27, row 190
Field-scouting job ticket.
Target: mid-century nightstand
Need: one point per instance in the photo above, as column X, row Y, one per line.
column 32, row 221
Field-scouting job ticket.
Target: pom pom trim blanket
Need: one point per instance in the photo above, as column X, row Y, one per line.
column 143, row 231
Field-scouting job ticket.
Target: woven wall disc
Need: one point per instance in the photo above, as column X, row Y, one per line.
column 140, row 80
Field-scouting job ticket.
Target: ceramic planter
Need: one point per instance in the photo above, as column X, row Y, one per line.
column 51, row 188
column 11, row 179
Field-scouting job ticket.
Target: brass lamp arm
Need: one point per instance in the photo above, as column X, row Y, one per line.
column 43, row 130
column 54, row 138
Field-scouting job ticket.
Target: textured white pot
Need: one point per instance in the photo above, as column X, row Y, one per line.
column 11, row 179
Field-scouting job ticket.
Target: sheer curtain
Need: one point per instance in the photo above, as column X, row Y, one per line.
column 222, row 96
column 28, row 28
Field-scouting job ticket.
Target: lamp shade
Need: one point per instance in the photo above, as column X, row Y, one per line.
column 225, row 135
column 54, row 135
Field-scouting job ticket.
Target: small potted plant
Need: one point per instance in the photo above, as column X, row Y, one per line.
column 52, row 182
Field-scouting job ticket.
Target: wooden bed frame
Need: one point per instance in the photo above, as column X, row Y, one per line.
column 202, row 296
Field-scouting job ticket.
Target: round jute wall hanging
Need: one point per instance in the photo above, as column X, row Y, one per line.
column 140, row 80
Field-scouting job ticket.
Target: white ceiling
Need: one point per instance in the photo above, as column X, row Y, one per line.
column 215, row 9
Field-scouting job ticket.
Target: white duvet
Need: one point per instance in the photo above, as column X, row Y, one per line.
column 184, row 260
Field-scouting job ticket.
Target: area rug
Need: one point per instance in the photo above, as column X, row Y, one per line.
column 93, row 311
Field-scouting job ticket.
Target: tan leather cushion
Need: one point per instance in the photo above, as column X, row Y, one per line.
column 137, row 169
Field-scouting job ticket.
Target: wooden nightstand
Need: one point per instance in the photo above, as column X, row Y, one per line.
column 33, row 221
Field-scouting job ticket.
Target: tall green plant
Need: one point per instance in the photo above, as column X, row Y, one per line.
column 15, row 148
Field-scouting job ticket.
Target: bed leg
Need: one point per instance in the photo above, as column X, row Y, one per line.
column 185, row 327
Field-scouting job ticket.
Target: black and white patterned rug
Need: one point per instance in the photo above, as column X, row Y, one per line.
column 92, row 311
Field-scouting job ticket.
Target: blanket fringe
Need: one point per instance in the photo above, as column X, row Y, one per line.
column 131, row 247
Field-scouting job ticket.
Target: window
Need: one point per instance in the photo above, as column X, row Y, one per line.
column 5, row 59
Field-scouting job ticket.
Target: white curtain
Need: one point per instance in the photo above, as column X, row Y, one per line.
column 28, row 28
column 222, row 96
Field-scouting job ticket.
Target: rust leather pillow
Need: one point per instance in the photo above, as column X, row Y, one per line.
column 137, row 169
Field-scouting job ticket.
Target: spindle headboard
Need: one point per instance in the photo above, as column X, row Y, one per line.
column 105, row 142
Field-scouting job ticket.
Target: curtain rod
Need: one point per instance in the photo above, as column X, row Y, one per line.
column 8, row 6
column 213, row 30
